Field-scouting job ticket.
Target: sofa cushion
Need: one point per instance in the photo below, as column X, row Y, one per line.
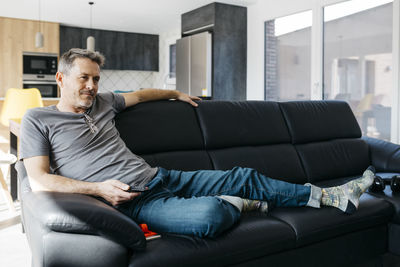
column 356, row 249
column 333, row 159
column 275, row 161
column 311, row 121
column 256, row 235
column 159, row 126
column 244, row 123
column 314, row 225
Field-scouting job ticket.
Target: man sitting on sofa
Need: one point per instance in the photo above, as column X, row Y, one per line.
column 75, row 147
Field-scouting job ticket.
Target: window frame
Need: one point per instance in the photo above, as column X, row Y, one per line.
column 317, row 58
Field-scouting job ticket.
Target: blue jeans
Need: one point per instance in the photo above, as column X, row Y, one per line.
column 186, row 203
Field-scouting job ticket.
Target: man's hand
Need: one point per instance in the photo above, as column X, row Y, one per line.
column 187, row 98
column 115, row 192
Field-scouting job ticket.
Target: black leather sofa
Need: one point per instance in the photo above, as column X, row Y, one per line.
column 309, row 141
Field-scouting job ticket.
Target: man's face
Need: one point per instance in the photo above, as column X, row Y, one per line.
column 79, row 87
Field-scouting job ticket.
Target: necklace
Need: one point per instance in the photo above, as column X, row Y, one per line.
column 90, row 122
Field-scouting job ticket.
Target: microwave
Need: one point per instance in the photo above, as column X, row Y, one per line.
column 43, row 65
column 46, row 88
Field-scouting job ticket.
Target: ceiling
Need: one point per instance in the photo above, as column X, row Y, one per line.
column 143, row 16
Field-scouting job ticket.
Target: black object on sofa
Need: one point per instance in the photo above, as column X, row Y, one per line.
column 305, row 141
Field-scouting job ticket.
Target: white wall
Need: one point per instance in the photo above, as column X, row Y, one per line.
column 257, row 14
column 160, row 78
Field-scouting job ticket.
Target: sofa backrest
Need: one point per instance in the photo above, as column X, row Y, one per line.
column 249, row 134
column 164, row 133
column 326, row 136
column 299, row 142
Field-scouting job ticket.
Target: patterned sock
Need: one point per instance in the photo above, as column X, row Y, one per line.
column 250, row 205
column 346, row 197
column 235, row 201
column 246, row 204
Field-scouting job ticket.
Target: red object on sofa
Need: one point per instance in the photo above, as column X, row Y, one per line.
column 146, row 230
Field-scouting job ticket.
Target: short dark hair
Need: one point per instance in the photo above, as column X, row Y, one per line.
column 68, row 58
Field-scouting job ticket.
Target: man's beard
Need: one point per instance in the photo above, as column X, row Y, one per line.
column 87, row 102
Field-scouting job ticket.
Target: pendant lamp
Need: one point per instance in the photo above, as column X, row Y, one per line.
column 90, row 41
column 39, row 39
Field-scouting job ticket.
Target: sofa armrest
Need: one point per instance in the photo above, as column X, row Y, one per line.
column 385, row 156
column 76, row 213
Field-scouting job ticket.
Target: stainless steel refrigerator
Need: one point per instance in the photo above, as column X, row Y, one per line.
column 193, row 65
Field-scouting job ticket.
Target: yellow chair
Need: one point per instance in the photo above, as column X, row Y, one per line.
column 17, row 102
column 365, row 104
column 364, row 111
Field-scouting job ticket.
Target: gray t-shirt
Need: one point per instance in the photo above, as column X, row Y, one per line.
column 75, row 152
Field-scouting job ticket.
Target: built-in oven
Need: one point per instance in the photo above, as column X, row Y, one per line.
column 39, row 71
column 39, row 63
column 46, row 88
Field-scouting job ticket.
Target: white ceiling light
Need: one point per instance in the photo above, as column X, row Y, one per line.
column 39, row 39
column 90, row 41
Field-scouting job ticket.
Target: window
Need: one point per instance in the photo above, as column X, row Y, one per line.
column 358, row 61
column 288, row 57
column 172, row 61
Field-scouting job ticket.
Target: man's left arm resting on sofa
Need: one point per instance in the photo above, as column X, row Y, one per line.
column 146, row 95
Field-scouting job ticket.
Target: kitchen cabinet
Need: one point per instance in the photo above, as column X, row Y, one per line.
column 123, row 50
column 228, row 25
column 198, row 18
column 133, row 57
column 18, row 36
column 150, row 44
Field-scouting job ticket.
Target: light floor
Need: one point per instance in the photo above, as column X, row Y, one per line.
column 14, row 249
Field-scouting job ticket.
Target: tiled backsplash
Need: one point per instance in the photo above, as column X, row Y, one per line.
column 125, row 80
